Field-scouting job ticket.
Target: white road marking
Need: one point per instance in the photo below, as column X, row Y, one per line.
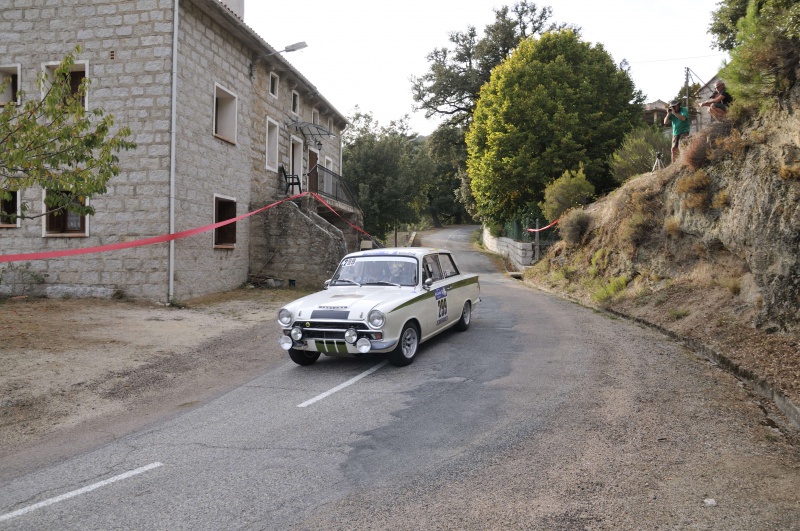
column 84, row 490
column 351, row 381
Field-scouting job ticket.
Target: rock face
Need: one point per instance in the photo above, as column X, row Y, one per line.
column 756, row 216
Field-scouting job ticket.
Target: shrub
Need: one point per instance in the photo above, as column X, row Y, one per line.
column 678, row 314
column 614, row 286
column 573, row 226
column 732, row 145
column 721, row 199
column 695, row 187
column 672, row 226
column 698, row 151
column 790, row 173
column 569, row 190
column 637, row 153
column 636, row 229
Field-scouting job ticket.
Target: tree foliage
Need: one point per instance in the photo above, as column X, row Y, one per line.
column 568, row 191
column 386, row 165
column 556, row 103
column 637, row 154
column 56, row 144
column 451, row 86
column 724, row 22
column 766, row 54
column 448, row 152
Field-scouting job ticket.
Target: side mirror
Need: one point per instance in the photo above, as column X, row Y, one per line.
column 427, row 283
column 326, row 284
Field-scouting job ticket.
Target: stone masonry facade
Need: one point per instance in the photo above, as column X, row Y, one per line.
column 128, row 55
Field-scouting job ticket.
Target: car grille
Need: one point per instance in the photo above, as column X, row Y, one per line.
column 328, row 330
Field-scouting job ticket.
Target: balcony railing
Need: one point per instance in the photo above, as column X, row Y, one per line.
column 328, row 184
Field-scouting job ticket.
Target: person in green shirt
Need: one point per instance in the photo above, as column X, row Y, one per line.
column 679, row 118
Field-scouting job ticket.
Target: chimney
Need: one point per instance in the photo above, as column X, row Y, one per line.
column 237, row 6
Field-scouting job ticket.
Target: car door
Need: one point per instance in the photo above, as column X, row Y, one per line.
column 435, row 312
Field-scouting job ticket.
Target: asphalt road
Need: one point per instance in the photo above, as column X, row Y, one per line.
column 542, row 415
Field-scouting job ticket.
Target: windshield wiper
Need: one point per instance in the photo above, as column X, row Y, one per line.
column 383, row 283
column 347, row 280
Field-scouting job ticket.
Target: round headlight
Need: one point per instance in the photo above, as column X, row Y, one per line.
column 284, row 316
column 285, row 342
column 351, row 336
column 376, row 319
column 363, row 345
column 297, row 333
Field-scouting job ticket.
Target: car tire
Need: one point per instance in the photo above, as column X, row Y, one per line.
column 303, row 357
column 466, row 317
column 407, row 346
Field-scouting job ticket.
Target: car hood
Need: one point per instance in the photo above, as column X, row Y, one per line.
column 357, row 302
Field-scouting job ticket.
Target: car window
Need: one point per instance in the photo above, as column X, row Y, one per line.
column 431, row 268
column 449, row 268
column 376, row 270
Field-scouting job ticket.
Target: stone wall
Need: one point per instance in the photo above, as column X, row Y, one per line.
column 127, row 54
column 301, row 248
column 519, row 253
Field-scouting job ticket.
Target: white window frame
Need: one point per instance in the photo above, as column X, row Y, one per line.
column 329, row 164
column 17, row 222
column 215, row 220
column 315, row 116
column 45, row 234
column 277, row 78
column 295, row 105
column 272, row 144
column 225, row 114
column 49, row 70
column 6, row 71
column 296, row 161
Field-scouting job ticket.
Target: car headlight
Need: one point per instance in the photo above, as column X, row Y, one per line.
column 351, row 336
column 284, row 316
column 376, row 319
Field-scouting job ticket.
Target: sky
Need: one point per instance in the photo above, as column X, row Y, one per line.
column 364, row 52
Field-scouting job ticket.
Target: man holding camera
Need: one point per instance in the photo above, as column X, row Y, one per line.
column 679, row 118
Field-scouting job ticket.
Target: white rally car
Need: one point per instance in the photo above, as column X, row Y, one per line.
column 382, row 300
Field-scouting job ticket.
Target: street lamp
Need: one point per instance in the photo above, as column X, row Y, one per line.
column 291, row 48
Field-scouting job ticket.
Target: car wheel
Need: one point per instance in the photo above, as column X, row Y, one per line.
column 303, row 357
column 466, row 317
column 406, row 349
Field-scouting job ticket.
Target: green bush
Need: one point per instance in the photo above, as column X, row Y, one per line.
column 615, row 285
column 570, row 190
column 573, row 226
column 637, row 154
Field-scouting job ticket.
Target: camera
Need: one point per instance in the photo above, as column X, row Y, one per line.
column 658, row 155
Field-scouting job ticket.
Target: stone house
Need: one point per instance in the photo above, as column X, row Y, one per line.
column 219, row 116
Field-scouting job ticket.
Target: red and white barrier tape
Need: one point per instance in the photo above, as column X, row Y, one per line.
column 157, row 239
column 543, row 228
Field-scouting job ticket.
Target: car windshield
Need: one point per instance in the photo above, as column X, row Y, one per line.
column 377, row 270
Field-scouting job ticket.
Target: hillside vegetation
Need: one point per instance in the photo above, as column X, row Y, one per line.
column 708, row 248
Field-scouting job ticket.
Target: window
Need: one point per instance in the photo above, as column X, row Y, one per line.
column 431, row 269
column 295, row 102
column 448, row 266
column 274, row 82
column 314, row 116
column 330, row 125
column 272, row 144
column 224, row 209
column 329, row 164
column 60, row 221
column 225, row 103
column 296, row 157
column 77, row 73
column 9, row 74
column 9, row 208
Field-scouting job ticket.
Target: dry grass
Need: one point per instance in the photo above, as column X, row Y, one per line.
column 721, row 199
column 790, row 173
column 672, row 226
column 695, row 189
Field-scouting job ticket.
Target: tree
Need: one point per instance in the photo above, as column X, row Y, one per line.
column 451, row 86
column 637, row 154
column 448, row 152
column 766, row 56
column 554, row 104
column 568, row 191
column 56, row 144
column 386, row 165
column 724, row 21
